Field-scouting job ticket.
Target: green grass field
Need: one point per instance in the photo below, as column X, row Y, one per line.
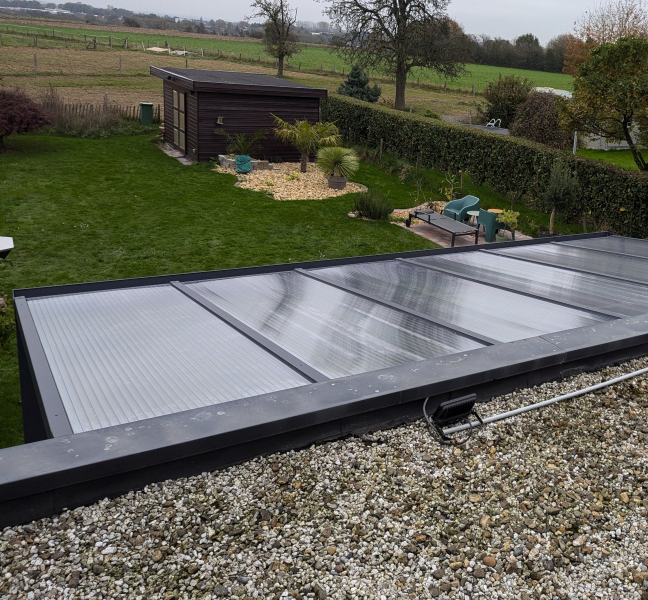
column 621, row 158
column 311, row 58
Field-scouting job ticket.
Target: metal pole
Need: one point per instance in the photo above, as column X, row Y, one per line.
column 530, row 407
column 575, row 142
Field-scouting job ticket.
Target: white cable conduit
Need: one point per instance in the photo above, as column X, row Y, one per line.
column 523, row 409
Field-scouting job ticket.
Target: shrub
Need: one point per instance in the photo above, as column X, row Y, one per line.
column 357, row 86
column 373, row 205
column 337, row 161
column 561, row 191
column 19, row 114
column 505, row 96
column 538, row 120
column 507, row 163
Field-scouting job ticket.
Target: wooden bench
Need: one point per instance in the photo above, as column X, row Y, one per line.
column 436, row 219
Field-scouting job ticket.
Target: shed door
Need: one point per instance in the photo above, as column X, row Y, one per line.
column 179, row 119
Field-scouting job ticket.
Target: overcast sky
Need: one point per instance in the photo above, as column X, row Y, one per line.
column 502, row 18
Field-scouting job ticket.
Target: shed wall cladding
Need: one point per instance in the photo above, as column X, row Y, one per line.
column 246, row 113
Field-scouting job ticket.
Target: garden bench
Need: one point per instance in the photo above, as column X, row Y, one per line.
column 435, row 219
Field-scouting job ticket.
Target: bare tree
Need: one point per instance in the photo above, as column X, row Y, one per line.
column 280, row 38
column 605, row 23
column 396, row 36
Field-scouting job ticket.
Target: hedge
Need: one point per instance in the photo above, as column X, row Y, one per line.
column 616, row 198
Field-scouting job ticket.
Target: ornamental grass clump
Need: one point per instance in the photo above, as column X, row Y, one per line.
column 338, row 161
column 373, row 205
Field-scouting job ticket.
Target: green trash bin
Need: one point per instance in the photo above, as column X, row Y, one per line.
column 146, row 113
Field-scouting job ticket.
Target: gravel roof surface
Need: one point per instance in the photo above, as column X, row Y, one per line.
column 551, row 504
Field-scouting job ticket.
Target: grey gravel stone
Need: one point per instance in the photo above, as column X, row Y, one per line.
column 556, row 500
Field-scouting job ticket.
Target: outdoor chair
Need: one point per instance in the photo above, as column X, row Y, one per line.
column 458, row 209
column 491, row 225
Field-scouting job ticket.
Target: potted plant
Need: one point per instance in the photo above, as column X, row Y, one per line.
column 338, row 164
column 509, row 219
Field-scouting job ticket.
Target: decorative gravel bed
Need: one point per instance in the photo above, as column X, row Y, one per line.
column 285, row 182
column 551, row 504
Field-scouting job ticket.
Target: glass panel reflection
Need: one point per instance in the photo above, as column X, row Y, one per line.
column 336, row 332
column 489, row 311
column 614, row 243
column 588, row 260
column 597, row 292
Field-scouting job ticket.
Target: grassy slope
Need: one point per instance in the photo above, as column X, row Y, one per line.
column 311, row 57
column 621, row 158
column 83, row 210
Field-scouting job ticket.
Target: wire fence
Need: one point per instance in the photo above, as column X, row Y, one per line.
column 130, row 112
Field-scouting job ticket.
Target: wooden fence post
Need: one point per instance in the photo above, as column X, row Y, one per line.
column 120, row 65
column 35, row 64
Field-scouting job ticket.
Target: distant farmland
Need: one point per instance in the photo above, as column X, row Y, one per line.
column 312, row 58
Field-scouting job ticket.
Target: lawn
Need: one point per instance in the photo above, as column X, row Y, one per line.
column 311, row 58
column 621, row 158
column 84, row 210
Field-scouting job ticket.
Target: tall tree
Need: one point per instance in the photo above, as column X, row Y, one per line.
column 280, row 35
column 605, row 23
column 611, row 95
column 396, row 36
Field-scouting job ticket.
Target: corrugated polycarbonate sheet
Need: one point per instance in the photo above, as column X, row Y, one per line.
column 594, row 291
column 120, row 356
column 485, row 310
column 335, row 332
column 613, row 243
column 627, row 267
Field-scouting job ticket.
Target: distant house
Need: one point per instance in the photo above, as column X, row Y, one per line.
column 198, row 104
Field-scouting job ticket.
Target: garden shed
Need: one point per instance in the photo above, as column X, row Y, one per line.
column 198, row 103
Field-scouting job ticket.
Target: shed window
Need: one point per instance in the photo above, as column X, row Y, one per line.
column 179, row 119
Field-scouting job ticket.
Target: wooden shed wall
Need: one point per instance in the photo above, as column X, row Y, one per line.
column 168, row 112
column 247, row 113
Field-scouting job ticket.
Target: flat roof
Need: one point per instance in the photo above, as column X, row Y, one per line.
column 135, row 372
column 235, row 81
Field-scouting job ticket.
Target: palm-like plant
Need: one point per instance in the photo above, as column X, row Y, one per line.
column 307, row 137
column 337, row 161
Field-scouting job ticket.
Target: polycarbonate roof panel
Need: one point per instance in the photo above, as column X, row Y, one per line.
column 560, row 255
column 594, row 291
column 336, row 332
column 124, row 355
column 485, row 310
column 631, row 246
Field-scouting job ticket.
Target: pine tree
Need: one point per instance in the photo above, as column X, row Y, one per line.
column 357, row 86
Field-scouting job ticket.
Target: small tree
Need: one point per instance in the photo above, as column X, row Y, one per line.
column 561, row 192
column 504, row 97
column 538, row 120
column 19, row 114
column 280, row 37
column 357, row 86
column 611, row 95
column 307, row 137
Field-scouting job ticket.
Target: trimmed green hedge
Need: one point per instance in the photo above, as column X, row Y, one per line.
column 617, row 199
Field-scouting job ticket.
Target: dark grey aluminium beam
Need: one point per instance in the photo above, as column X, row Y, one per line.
column 292, row 361
column 45, row 393
column 399, row 307
column 546, row 263
column 513, row 289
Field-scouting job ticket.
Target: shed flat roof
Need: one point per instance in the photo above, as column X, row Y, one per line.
column 144, row 375
column 235, row 81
